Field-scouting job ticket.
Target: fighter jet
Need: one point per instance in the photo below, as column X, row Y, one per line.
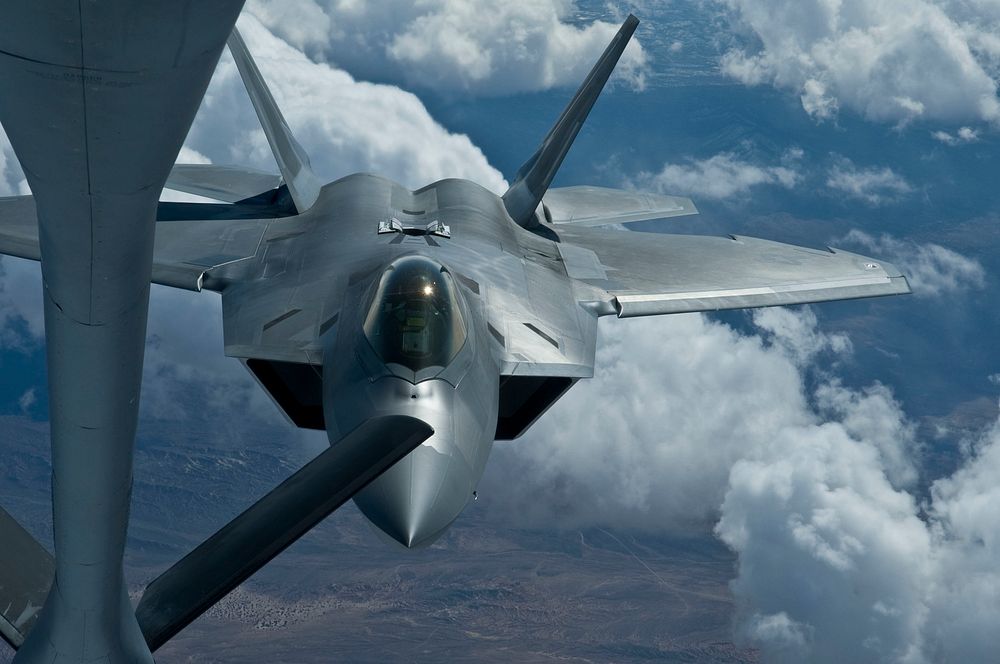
column 461, row 313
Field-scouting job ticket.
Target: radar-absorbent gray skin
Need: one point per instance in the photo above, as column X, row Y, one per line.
column 449, row 315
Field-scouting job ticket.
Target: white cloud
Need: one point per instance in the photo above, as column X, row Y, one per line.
column 823, row 537
column 721, row 176
column 817, row 102
column 347, row 126
column 188, row 155
column 688, row 422
column 797, row 332
column 889, row 60
column 788, row 636
column 842, row 557
column 675, row 402
column 873, row 415
column 960, row 137
column 456, row 45
column 686, row 419
column 931, row 269
column 873, row 185
column 966, row 527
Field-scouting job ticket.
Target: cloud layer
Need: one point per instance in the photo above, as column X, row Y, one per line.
column 689, row 423
column 473, row 46
column 889, row 60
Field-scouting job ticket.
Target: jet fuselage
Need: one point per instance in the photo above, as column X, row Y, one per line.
column 363, row 230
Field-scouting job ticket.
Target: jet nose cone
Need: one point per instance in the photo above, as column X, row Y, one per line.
column 416, row 500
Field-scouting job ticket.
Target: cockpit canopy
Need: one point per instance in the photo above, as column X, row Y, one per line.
column 415, row 319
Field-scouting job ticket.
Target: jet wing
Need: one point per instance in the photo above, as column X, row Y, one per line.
column 183, row 253
column 599, row 206
column 646, row 274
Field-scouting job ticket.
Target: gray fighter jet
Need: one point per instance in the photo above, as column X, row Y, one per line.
column 448, row 316
column 470, row 311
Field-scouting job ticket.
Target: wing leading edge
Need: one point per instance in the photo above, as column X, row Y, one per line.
column 646, row 274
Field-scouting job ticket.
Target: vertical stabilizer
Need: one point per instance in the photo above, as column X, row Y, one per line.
column 293, row 162
column 535, row 176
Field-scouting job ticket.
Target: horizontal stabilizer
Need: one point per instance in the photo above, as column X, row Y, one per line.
column 535, row 176
column 248, row 542
column 293, row 162
column 223, row 183
column 26, row 572
column 600, row 206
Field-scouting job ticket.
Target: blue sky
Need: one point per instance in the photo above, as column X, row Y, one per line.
column 847, row 453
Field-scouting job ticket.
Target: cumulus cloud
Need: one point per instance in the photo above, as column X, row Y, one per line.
column 876, row 186
column 833, row 557
column 688, row 423
column 796, row 330
column 960, row 137
column 890, row 60
column 873, row 415
column 857, row 564
column 721, row 176
column 825, row 539
column 965, row 608
column 347, row 126
column 457, row 45
column 837, row 565
column 931, row 269
column 675, row 402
